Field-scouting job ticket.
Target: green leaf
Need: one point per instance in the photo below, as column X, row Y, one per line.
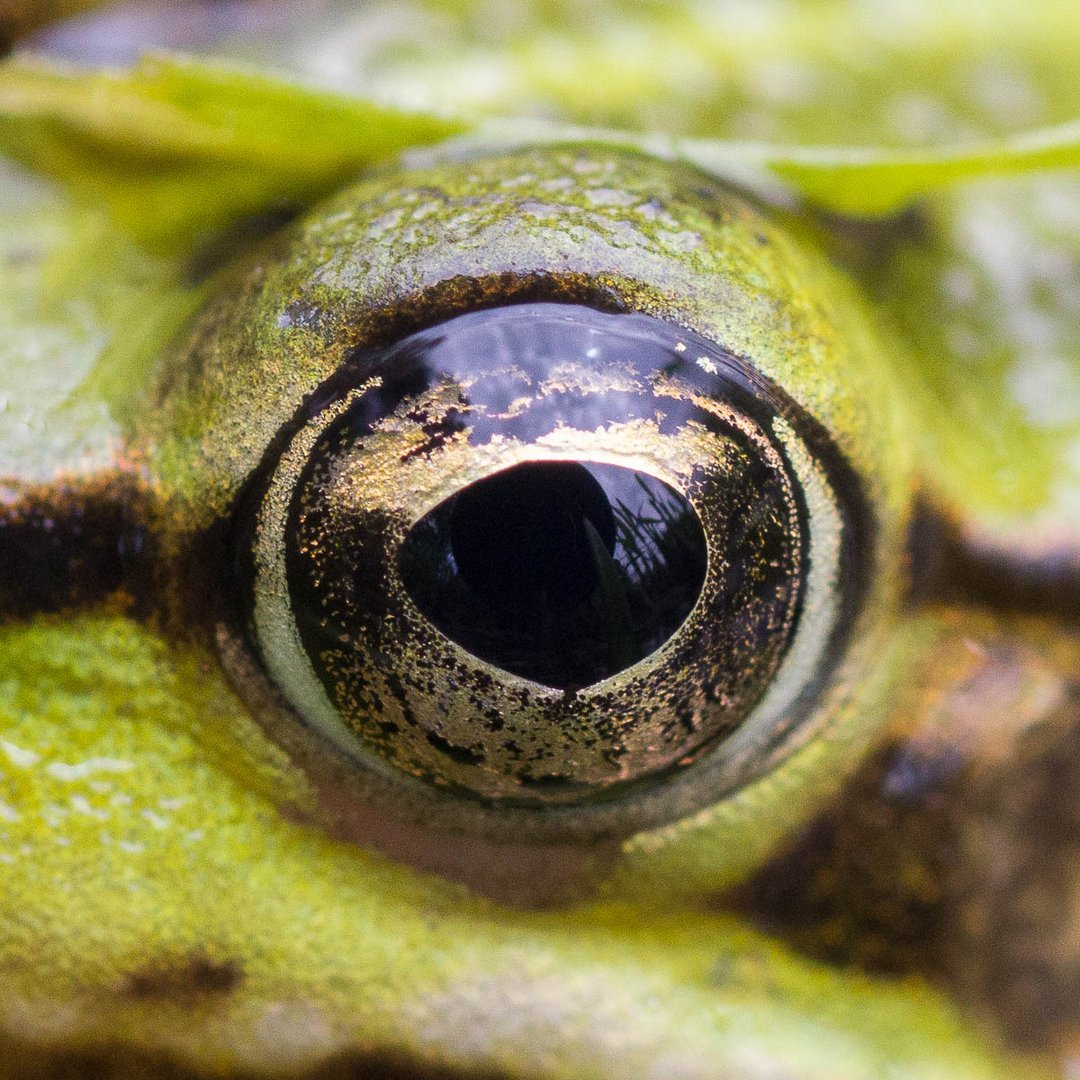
column 848, row 180
column 83, row 310
column 178, row 147
column 876, row 181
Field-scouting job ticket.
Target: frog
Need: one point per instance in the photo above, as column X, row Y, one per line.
column 860, row 219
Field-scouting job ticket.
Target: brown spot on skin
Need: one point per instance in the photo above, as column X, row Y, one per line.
column 234, row 240
column 186, row 980
column 955, row 852
column 867, row 245
column 1028, row 572
column 20, row 17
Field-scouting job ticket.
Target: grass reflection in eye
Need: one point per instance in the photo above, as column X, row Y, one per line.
column 544, row 571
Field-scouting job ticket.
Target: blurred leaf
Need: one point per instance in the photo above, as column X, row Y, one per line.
column 848, row 180
column 870, row 181
column 177, row 147
column 83, row 310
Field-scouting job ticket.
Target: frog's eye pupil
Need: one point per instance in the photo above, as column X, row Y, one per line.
column 562, row 572
column 521, row 537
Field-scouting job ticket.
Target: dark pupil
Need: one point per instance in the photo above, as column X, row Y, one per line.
column 561, row 572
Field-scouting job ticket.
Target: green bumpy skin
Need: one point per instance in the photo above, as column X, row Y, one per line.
column 157, row 902
column 169, row 896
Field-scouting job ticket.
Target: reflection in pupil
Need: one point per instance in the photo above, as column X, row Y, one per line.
column 519, row 537
column 562, row 572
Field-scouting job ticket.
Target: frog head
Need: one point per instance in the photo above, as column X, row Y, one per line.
column 260, row 815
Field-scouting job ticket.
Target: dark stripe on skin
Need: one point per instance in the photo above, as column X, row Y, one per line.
column 73, row 543
column 1016, row 574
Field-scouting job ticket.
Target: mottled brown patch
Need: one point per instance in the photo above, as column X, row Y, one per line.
column 184, row 980
column 859, row 885
column 955, row 851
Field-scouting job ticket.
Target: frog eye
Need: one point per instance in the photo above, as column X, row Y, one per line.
column 539, row 546
column 541, row 553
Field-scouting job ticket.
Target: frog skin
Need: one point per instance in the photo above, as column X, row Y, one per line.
column 193, row 884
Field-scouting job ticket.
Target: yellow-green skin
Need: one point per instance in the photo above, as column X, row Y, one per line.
column 168, row 893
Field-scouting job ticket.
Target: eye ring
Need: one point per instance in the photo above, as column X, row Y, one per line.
column 291, row 335
column 828, row 566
